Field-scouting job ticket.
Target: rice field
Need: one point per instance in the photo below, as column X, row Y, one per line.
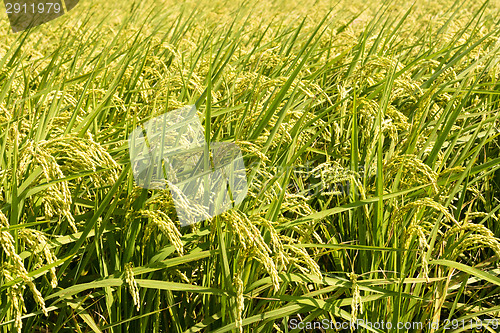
column 370, row 133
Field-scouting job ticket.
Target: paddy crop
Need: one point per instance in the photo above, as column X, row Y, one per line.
column 370, row 134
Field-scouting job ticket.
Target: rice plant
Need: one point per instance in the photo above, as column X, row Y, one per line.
column 371, row 138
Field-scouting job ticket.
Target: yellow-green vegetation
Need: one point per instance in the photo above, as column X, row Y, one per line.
column 370, row 132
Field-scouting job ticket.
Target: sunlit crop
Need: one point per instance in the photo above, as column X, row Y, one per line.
column 371, row 139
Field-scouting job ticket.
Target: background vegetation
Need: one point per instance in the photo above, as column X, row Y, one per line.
column 370, row 133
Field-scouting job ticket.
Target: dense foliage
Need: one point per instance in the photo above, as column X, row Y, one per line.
column 370, row 134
